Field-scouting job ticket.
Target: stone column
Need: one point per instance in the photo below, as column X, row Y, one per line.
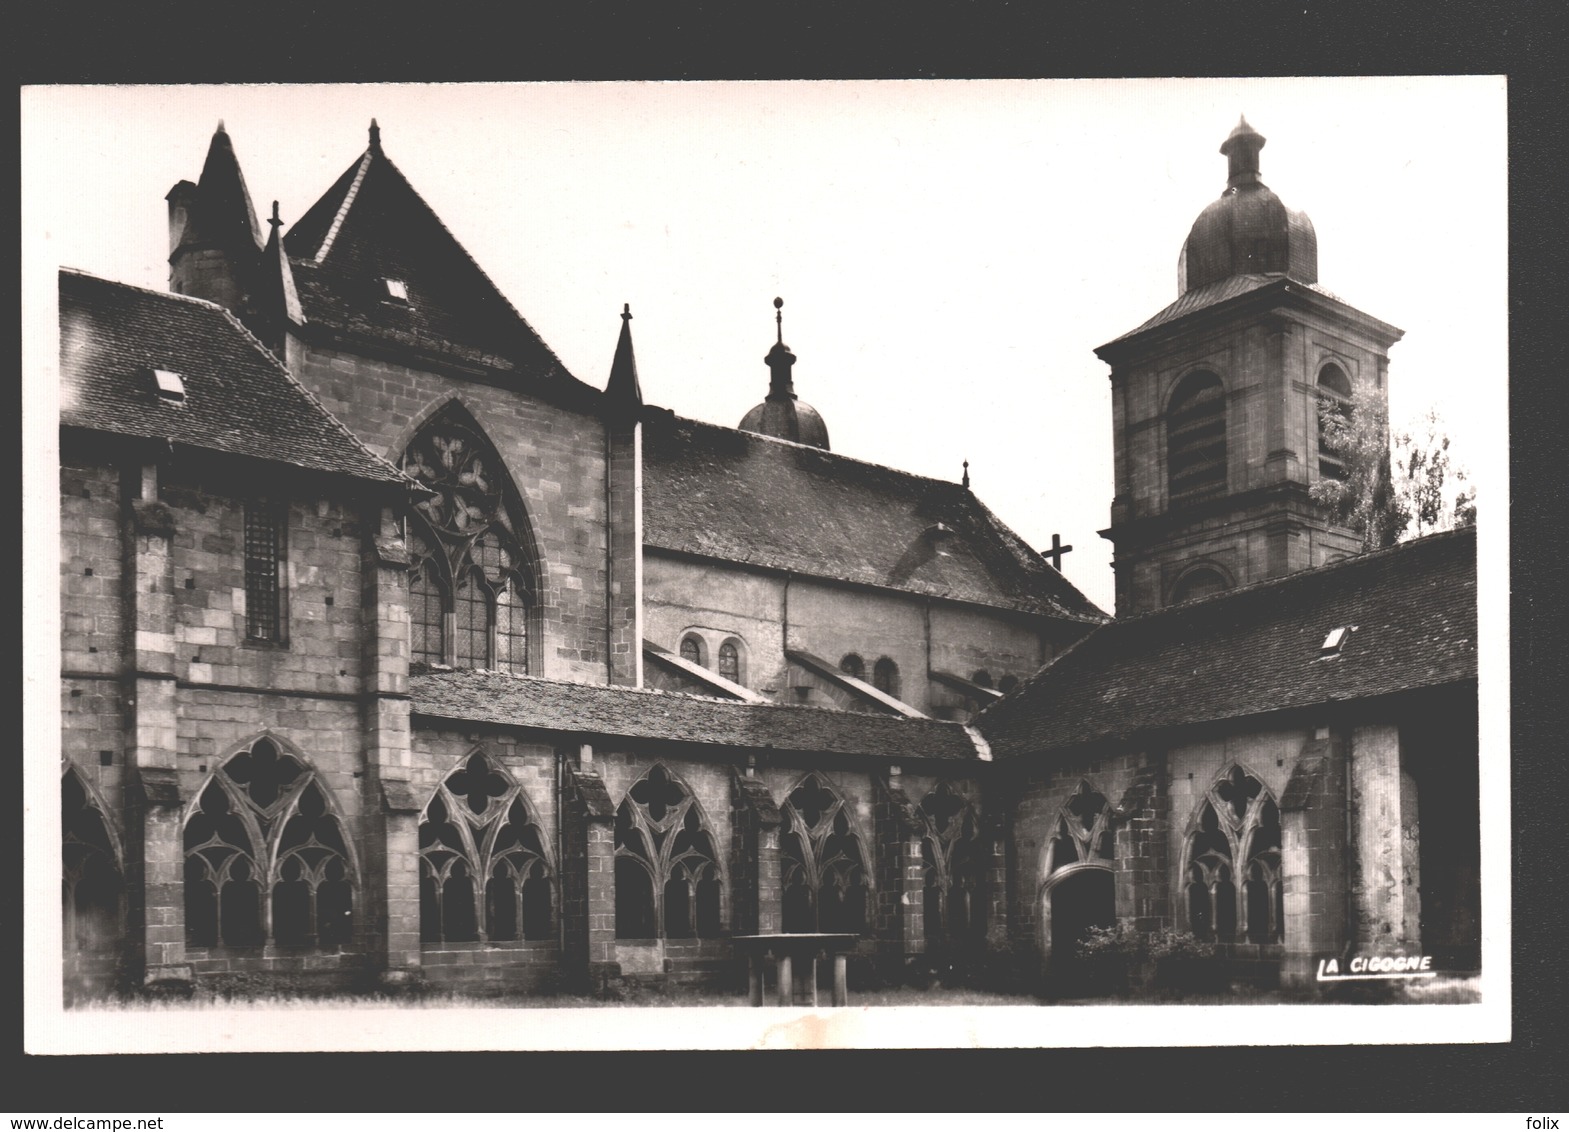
column 391, row 803
column 588, row 877
column 624, row 549
column 1381, row 872
column 1313, row 858
column 155, row 852
column 754, row 856
column 901, row 902
column 1141, row 840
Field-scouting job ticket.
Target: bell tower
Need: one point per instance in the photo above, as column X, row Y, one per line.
column 1215, row 403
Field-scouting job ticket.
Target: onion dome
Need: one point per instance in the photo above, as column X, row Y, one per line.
column 1248, row 231
column 782, row 414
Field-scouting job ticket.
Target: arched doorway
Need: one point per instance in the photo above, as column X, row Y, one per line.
column 1076, row 901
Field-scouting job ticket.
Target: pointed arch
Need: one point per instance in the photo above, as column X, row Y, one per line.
column 1080, row 832
column 92, row 867
column 669, row 877
column 954, row 858
column 485, row 868
column 473, row 555
column 823, row 873
column 266, row 856
column 1232, row 888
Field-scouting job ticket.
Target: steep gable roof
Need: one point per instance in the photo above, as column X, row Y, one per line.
column 642, row 713
column 238, row 398
column 734, row 495
column 371, row 226
column 1258, row 649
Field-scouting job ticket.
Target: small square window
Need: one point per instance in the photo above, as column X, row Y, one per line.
column 397, row 290
column 1335, row 640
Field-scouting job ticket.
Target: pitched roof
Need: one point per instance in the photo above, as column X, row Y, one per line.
column 1257, row 649
column 724, row 493
column 372, row 225
column 239, row 398
column 642, row 713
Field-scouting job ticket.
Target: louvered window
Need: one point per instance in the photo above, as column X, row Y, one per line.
column 1196, row 440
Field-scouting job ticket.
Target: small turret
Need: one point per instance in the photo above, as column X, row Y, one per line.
column 215, row 244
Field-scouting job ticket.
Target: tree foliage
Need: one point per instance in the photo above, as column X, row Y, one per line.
column 1384, row 498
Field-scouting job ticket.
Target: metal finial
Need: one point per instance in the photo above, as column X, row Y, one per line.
column 966, row 481
column 220, row 129
column 779, row 318
column 626, row 312
column 276, row 221
column 375, row 133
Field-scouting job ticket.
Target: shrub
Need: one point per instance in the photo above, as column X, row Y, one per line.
column 1183, row 962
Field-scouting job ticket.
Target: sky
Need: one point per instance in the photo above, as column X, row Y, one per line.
column 949, row 253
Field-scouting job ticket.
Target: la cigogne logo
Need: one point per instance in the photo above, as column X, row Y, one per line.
column 1336, row 968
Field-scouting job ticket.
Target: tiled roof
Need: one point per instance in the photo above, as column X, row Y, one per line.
column 640, row 713
column 239, row 399
column 1212, row 295
column 371, row 226
column 1256, row 650
column 724, row 493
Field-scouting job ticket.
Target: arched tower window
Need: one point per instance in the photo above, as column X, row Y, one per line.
column 92, row 878
column 472, row 570
column 1197, row 583
column 1334, row 403
column 265, row 857
column 1082, row 832
column 885, row 677
column 667, row 872
column 822, row 866
column 853, row 665
column 1196, row 439
column 955, row 865
column 730, row 662
column 484, row 871
column 1233, row 884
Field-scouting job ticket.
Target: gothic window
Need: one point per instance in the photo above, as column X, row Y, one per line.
column 667, row 873
column 1334, row 400
column 484, row 872
column 885, row 677
column 265, row 857
column 822, row 865
column 853, row 665
column 1082, row 831
column 264, row 557
column 691, row 649
column 954, row 863
column 1233, row 884
column 471, row 574
column 1196, row 439
column 730, row 662
column 90, row 870
column 1198, row 583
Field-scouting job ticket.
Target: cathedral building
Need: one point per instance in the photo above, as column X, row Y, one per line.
column 393, row 653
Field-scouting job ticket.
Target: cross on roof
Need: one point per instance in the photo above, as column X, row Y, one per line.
column 1054, row 555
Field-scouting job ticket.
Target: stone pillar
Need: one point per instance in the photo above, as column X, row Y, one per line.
column 901, row 903
column 391, row 804
column 588, row 877
column 1380, row 874
column 994, row 839
column 1313, row 859
column 1141, row 842
column 624, row 550
column 155, row 851
column 754, row 856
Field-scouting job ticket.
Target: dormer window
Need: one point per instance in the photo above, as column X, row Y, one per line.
column 169, row 387
column 397, row 290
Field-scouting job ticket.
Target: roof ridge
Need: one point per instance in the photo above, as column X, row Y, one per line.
column 289, row 377
column 174, row 296
column 343, row 208
column 1299, row 575
column 625, row 688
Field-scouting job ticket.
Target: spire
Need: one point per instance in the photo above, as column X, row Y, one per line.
column 623, row 390
column 1241, row 149
column 779, row 360
column 224, row 212
column 375, row 135
column 965, row 482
